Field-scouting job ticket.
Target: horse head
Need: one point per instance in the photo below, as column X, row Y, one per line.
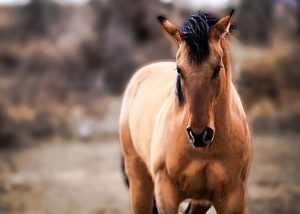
column 201, row 71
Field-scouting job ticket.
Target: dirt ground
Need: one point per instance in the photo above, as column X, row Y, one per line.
column 82, row 177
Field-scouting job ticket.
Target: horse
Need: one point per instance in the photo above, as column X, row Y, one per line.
column 183, row 130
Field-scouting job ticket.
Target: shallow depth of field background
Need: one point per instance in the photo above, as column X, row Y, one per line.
column 64, row 65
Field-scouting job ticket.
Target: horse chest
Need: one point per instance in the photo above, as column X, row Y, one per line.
column 201, row 179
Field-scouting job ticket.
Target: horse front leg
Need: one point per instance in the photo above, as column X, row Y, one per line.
column 166, row 193
column 233, row 202
column 140, row 186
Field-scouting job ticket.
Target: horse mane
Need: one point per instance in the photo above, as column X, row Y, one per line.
column 179, row 92
column 196, row 32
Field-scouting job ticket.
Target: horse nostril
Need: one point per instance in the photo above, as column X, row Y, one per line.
column 190, row 134
column 208, row 135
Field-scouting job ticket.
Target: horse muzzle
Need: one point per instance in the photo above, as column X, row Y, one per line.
column 203, row 139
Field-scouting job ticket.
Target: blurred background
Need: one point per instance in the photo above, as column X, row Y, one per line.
column 64, row 65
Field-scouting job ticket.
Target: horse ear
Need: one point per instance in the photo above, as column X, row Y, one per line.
column 171, row 29
column 222, row 26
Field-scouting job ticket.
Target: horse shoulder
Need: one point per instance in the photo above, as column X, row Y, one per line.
column 143, row 99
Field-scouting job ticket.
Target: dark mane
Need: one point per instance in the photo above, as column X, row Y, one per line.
column 196, row 33
column 179, row 92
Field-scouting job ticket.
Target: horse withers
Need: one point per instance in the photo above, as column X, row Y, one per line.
column 183, row 130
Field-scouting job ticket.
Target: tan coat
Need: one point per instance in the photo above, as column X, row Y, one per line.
column 159, row 159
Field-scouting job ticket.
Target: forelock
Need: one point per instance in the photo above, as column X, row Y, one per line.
column 196, row 33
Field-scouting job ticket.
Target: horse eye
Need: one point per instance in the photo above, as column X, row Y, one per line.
column 216, row 71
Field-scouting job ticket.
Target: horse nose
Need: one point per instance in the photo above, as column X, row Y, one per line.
column 200, row 140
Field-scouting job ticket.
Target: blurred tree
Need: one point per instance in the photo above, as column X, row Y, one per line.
column 125, row 35
column 255, row 21
column 39, row 16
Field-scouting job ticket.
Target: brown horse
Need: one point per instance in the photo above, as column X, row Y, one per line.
column 184, row 134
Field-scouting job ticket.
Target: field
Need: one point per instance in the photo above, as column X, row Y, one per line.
column 85, row 177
